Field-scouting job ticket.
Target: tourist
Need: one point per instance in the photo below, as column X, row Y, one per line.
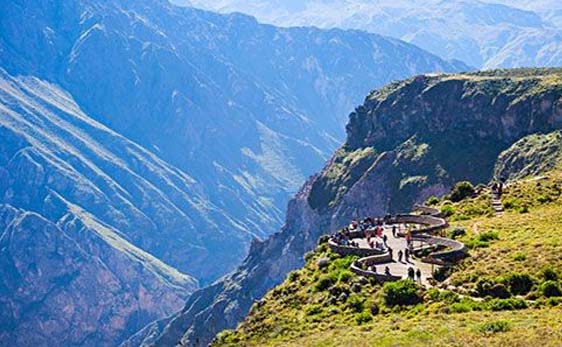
column 390, row 252
column 385, row 239
column 406, row 254
column 400, row 254
column 418, row 274
column 410, row 273
column 387, row 271
column 394, row 230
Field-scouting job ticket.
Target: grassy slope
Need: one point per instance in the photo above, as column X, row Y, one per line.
column 527, row 240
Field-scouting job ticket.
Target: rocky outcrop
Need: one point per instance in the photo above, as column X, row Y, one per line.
column 71, row 283
column 410, row 140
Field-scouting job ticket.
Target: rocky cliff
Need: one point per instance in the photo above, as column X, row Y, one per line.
column 408, row 141
column 532, row 155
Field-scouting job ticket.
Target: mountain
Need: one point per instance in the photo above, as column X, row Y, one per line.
column 483, row 34
column 75, row 199
column 245, row 111
column 410, row 140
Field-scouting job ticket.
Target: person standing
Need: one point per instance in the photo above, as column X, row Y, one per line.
column 418, row 274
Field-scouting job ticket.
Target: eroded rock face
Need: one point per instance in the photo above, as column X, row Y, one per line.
column 64, row 284
column 529, row 156
column 75, row 199
column 410, row 140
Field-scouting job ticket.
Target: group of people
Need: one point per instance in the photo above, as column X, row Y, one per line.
column 372, row 229
column 413, row 275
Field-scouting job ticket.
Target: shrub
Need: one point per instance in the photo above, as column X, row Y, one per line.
column 518, row 283
column 401, row 293
column 374, row 308
column 489, row 287
column 293, row 276
column 461, row 191
column 523, row 209
column 499, row 290
column 488, row 236
column 355, row 303
column 432, row 200
column 460, row 307
column 519, row 256
column 543, row 199
column 549, row 273
column 507, row 304
column 345, row 276
column 456, row 232
column 363, row 317
column 494, row 327
column 313, row 310
column 447, row 210
column 325, row 282
column 550, row 288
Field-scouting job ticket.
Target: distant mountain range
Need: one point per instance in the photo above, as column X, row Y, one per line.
column 481, row 33
column 144, row 146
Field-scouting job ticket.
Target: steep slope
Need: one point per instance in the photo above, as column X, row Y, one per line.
column 486, row 34
column 247, row 110
column 507, row 293
column 78, row 202
column 530, row 156
column 410, row 140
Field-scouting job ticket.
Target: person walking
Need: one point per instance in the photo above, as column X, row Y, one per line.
column 418, row 274
column 394, row 230
column 400, row 254
column 406, row 254
column 385, row 239
column 410, row 273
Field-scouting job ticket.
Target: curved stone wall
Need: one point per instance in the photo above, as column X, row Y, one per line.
column 430, row 223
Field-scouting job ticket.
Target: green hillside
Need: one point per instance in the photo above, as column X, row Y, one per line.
column 508, row 292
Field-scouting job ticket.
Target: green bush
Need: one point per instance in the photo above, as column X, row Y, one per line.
column 518, row 283
column 494, row 327
column 460, row 307
column 519, row 256
column 401, row 293
column 325, row 282
column 313, row 310
column 355, row 303
column 549, row 273
column 550, row 288
column 293, row 276
column 432, row 200
column 461, row 191
column 489, row 287
column 456, row 232
column 488, row 236
column 363, row 317
column 506, row 304
column 345, row 276
column 447, row 210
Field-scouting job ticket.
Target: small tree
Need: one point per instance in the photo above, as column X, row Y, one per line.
column 461, row 191
column 401, row 293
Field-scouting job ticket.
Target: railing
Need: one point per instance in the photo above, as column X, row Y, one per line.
column 430, row 222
